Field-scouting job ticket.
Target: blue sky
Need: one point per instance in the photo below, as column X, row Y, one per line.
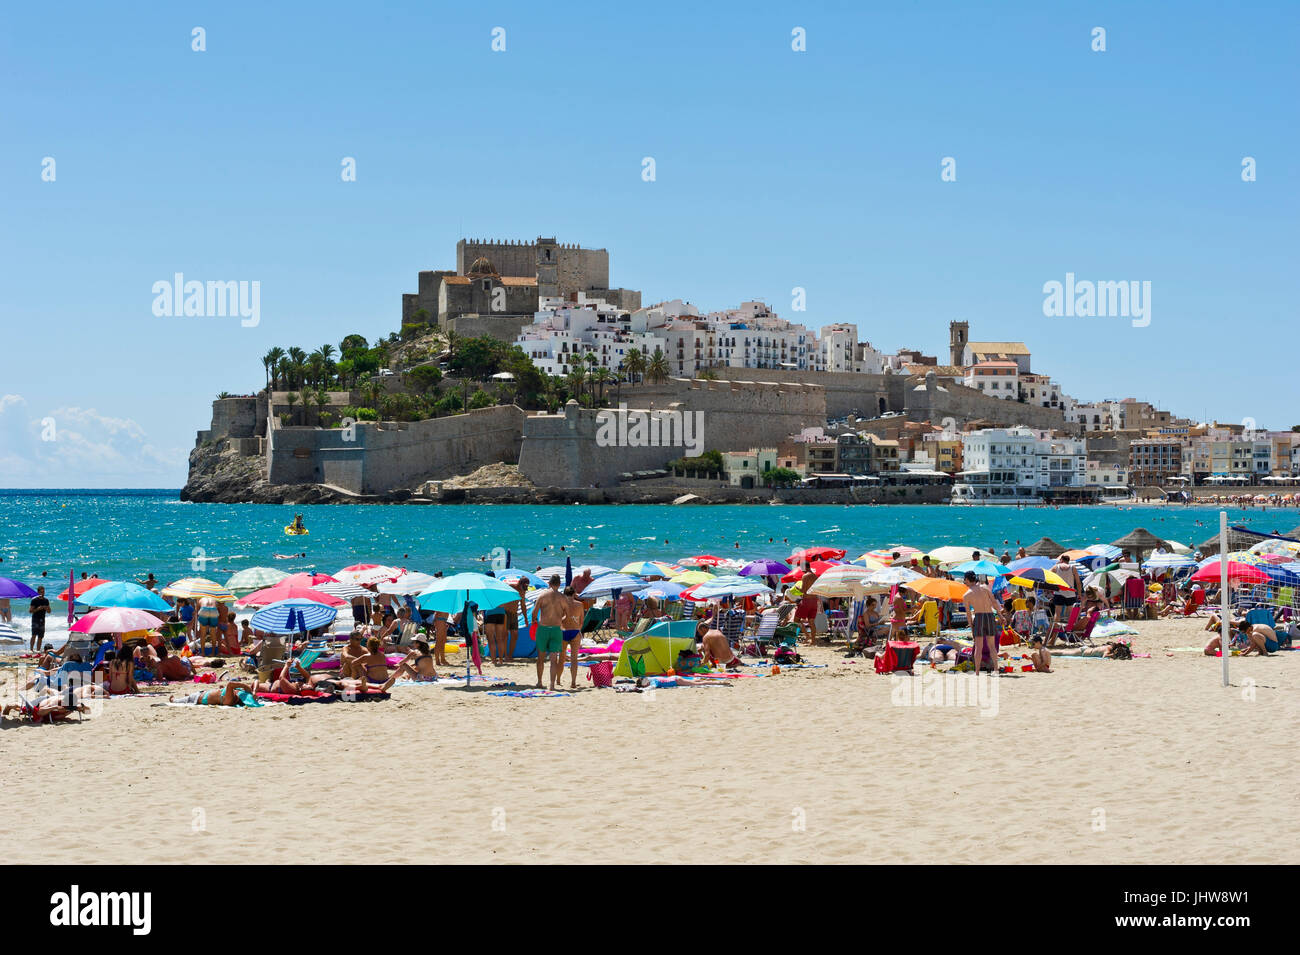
column 775, row 169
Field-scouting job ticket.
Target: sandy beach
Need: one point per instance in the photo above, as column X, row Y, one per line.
column 1141, row 761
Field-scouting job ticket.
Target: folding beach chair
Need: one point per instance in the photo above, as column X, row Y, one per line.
column 1135, row 597
column 1083, row 637
column 765, row 634
column 1195, row 604
column 732, row 625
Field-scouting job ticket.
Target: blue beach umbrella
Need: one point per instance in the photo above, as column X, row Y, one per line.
column 981, row 568
column 512, row 574
column 665, row 589
column 450, row 594
column 731, row 586
column 119, row 593
column 293, row 616
column 1032, row 563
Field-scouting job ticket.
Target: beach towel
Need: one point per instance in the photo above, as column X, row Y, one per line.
column 533, row 694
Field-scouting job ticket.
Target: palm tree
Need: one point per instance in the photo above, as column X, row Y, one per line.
column 634, row 363
column 602, row 377
column 322, row 398
column 298, row 360
column 575, row 380
column 292, row 398
column 657, row 370
column 452, row 341
column 271, row 362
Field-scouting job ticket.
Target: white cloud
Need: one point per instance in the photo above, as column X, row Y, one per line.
column 79, row 447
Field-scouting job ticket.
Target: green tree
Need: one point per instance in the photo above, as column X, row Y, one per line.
column 657, row 370
column 292, row 399
column 422, row 378
column 634, row 364
column 481, row 399
column 271, row 362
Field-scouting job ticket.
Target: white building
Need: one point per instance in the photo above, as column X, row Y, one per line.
column 1018, row 466
column 995, row 378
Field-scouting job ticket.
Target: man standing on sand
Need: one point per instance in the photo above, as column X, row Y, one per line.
column 550, row 611
column 572, row 635
column 982, row 607
column 1065, row 569
column 38, row 608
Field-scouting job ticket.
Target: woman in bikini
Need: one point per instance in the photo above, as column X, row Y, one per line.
column 121, row 673
column 225, row 695
column 417, row 667
column 371, row 667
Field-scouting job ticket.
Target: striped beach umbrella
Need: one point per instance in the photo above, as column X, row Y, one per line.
column 344, row 591
column 362, row 574
column 196, row 587
column 254, row 578
column 293, row 616
column 889, row 576
column 411, row 582
column 8, row 634
column 647, row 568
column 846, row 580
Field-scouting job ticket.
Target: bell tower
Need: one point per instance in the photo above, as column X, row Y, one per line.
column 958, row 336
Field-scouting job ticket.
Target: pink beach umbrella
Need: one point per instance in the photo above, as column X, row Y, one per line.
column 115, row 620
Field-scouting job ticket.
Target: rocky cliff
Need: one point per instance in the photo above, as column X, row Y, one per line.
column 220, row 474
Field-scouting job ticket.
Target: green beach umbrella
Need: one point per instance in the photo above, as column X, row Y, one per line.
column 254, row 578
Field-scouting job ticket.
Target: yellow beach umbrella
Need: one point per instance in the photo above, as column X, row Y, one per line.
column 196, row 587
column 691, row 577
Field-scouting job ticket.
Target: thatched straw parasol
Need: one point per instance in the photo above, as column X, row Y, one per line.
column 1237, row 540
column 1045, row 547
column 1138, row 541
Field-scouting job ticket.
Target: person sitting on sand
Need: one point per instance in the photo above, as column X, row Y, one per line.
column 1258, row 638
column 1215, row 622
column 714, row 646
column 372, row 666
column 227, row 694
column 417, row 667
column 171, row 666
column 121, row 673
column 353, row 651
column 1039, row 655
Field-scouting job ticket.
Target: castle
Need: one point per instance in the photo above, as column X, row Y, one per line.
column 497, row 287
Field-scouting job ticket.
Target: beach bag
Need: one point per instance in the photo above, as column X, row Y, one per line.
column 601, row 673
column 785, row 654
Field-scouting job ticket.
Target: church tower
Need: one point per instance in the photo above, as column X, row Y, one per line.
column 958, row 336
column 548, row 267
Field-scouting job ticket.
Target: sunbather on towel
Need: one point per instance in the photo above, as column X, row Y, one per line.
column 227, row 694
column 52, row 703
column 1115, row 650
column 293, row 677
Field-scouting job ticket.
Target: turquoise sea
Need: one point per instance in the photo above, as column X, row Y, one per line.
column 128, row 534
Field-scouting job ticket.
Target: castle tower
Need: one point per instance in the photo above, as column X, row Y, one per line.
column 548, row 267
column 958, row 336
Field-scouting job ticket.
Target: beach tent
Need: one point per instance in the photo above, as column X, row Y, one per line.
column 657, row 648
column 1045, row 547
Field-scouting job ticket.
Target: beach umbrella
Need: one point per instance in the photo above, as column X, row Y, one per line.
column 10, row 588
column 938, row 588
column 1038, row 577
column 665, row 589
column 1139, row 540
column 196, row 587
column 814, row 553
column 511, row 575
column 1045, row 547
column 451, row 594
column 1243, row 573
column 647, row 568
column 295, row 615
column 982, row 568
column 689, row 577
column 892, row 576
column 1109, row 551
column 307, row 579
column 818, row 567
column 609, row 583
column 254, row 578
column 1164, row 561
column 1025, row 563
column 411, row 582
column 282, row 591
column 123, row 594
column 115, row 620
column 846, row 580
column 362, row 574
column 955, row 554
column 764, row 568
column 1109, row 582
column 885, row 555
column 1275, row 546
column 9, row 635
column 1178, row 548
column 730, row 586
column 700, row 560
column 75, row 590
column 1283, row 575
column 347, row 592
